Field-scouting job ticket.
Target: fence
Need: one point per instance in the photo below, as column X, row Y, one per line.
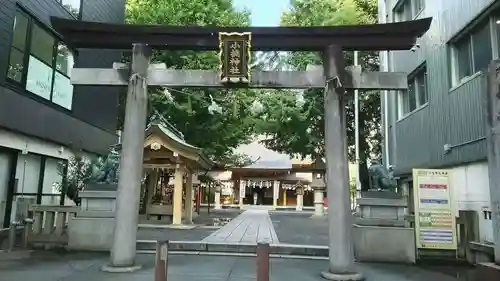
column 49, row 228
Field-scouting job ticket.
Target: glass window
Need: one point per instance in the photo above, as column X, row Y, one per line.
column 481, row 47
column 5, row 161
column 412, row 98
column 20, row 30
column 49, row 62
column 28, row 173
column 421, row 78
column 52, row 178
column 16, row 65
column 418, row 5
column 42, row 45
column 64, row 59
column 404, row 12
column 18, row 48
column 463, row 58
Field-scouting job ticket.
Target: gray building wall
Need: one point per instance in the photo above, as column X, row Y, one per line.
column 91, row 124
column 453, row 115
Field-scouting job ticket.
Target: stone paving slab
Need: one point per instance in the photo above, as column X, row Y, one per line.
column 300, row 228
column 84, row 267
column 195, row 234
column 252, row 226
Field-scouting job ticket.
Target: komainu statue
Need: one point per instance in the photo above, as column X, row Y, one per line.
column 380, row 177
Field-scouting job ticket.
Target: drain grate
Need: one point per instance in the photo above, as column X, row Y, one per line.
column 220, row 221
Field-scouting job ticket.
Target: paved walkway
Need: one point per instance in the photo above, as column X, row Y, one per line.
column 85, row 266
column 252, row 226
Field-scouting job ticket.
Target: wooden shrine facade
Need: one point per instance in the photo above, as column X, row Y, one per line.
column 171, row 165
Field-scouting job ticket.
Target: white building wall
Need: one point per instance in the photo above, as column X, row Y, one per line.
column 28, row 166
column 470, row 185
column 33, row 145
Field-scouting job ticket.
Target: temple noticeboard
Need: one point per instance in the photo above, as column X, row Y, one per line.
column 235, row 57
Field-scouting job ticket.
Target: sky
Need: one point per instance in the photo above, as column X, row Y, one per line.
column 264, row 12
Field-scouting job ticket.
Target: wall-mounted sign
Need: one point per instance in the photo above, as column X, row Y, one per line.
column 435, row 224
column 235, row 57
column 39, row 79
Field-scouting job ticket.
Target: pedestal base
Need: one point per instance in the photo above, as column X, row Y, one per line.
column 342, row 277
column 120, row 269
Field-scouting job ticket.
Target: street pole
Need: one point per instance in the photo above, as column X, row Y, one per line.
column 341, row 253
column 356, row 128
column 123, row 248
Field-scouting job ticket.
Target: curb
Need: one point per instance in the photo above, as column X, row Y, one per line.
column 204, row 248
column 227, row 254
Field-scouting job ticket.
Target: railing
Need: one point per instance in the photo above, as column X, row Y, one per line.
column 50, row 224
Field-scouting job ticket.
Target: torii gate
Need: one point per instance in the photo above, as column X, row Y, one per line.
column 234, row 45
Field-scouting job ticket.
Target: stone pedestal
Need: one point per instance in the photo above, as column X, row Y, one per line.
column 217, row 205
column 92, row 229
column 300, row 200
column 319, row 209
column 381, row 218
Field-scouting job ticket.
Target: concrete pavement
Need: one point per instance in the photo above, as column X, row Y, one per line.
column 85, row 266
column 300, row 228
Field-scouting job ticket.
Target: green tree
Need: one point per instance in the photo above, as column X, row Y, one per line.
column 294, row 122
column 215, row 120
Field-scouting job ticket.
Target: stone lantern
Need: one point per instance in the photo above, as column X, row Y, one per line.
column 318, row 184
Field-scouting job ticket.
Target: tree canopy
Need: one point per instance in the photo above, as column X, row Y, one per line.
column 215, row 120
column 220, row 120
column 295, row 122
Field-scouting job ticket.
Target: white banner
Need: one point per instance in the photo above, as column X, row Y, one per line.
column 242, row 189
column 63, row 91
column 39, row 80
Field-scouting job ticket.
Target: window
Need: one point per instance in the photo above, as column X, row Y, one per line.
column 72, row 6
column 40, row 63
column 18, row 48
column 417, row 94
column 407, row 10
column 472, row 53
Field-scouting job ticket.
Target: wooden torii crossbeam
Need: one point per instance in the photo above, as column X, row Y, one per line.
column 235, row 53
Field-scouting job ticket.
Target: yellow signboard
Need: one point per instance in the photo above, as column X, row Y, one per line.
column 435, row 225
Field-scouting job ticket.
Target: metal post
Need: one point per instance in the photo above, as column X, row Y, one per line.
column 341, row 255
column 12, row 236
column 493, row 142
column 209, row 190
column 262, row 261
column 123, row 249
column 356, row 127
column 161, row 262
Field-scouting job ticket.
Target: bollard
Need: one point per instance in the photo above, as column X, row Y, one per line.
column 262, row 261
column 26, row 232
column 12, row 235
column 161, row 263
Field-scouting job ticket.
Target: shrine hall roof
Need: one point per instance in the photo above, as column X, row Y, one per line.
column 161, row 126
column 281, row 164
column 390, row 36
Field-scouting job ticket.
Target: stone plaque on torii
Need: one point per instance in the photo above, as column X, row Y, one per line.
column 234, row 45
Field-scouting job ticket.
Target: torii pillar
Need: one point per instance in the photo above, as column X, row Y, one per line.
column 123, row 249
column 341, row 253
